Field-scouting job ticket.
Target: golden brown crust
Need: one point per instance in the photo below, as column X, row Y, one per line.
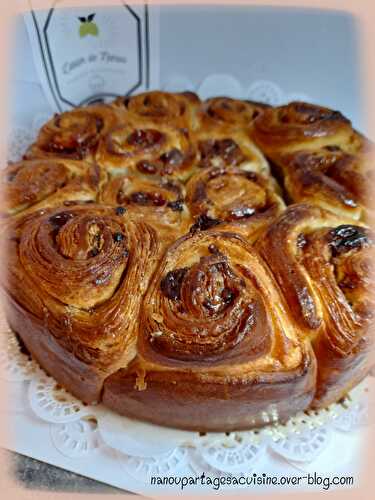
column 44, row 183
column 300, row 125
column 224, row 146
column 222, row 135
column 206, row 321
column 82, row 379
column 330, row 178
column 232, row 199
column 195, row 402
column 322, row 266
column 159, row 202
column 231, row 112
column 74, row 134
column 151, row 263
column 148, row 147
column 320, row 157
column 71, row 270
column 161, row 107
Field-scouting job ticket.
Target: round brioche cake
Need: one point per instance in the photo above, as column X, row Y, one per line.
column 203, row 265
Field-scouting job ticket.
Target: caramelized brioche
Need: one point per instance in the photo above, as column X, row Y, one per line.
column 155, row 264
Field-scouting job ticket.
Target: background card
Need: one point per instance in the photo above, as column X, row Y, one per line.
column 89, row 54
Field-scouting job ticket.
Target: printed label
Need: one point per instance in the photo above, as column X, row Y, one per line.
column 85, row 55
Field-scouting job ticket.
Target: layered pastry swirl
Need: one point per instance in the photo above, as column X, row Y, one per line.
column 75, row 134
column 163, row 107
column 159, row 202
column 212, row 354
column 231, row 198
column 69, row 274
column 30, row 185
column 320, row 157
column 149, row 147
column 204, row 265
column 323, row 266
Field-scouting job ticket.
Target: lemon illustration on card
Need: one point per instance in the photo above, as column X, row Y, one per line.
column 88, row 27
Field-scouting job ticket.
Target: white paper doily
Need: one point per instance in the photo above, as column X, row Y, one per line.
column 144, row 450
